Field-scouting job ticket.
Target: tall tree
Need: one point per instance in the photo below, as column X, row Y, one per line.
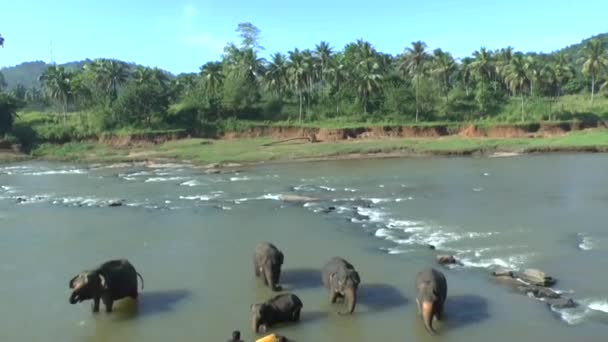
column 297, row 75
column 250, row 36
column 276, row 75
column 414, row 61
column 212, row 76
column 517, row 77
column 2, row 82
column 595, row 60
column 337, row 75
column 444, row 67
column 323, row 54
column 56, row 83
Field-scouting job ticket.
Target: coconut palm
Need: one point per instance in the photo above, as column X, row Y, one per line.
column 297, row 74
column 212, row 76
column 594, row 60
column 276, row 74
column 337, row 75
column 517, row 77
column 413, row 63
column 56, row 84
column 323, row 53
column 142, row 75
column 444, row 67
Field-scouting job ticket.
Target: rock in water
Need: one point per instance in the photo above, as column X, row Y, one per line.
column 297, row 198
column 115, row 203
column 212, row 171
column 446, row 259
column 561, row 303
column 537, row 277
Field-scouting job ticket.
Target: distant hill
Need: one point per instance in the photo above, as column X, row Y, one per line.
column 27, row 73
column 574, row 50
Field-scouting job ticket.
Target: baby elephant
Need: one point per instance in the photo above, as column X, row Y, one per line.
column 267, row 262
column 342, row 281
column 431, row 292
column 285, row 307
column 110, row 281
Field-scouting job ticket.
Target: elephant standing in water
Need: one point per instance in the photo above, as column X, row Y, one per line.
column 267, row 262
column 285, row 307
column 431, row 292
column 110, row 281
column 342, row 281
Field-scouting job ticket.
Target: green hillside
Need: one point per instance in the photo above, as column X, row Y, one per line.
column 27, row 73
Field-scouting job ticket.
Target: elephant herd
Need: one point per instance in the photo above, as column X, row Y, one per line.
column 117, row 279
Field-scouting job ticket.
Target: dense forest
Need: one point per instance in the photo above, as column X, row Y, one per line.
column 323, row 83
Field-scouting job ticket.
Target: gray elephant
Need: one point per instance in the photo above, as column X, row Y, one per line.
column 281, row 308
column 431, row 292
column 267, row 262
column 110, row 281
column 342, row 280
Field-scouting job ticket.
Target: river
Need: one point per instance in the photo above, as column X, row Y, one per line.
column 192, row 236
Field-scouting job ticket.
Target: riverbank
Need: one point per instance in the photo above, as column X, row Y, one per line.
column 256, row 150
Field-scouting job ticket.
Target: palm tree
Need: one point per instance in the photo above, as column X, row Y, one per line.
column 2, row 81
column 595, row 60
column 503, row 59
column 109, row 75
column 323, row 53
column 276, row 74
column 534, row 71
column 517, row 77
column 212, row 76
column 337, row 74
column 297, row 73
column 142, row 75
column 413, row 63
column 444, row 66
column 310, row 75
column 466, row 73
column 483, row 64
column 56, row 83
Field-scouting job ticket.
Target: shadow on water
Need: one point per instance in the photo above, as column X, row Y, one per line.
column 301, row 278
column 150, row 303
column 463, row 310
column 380, row 297
column 312, row 316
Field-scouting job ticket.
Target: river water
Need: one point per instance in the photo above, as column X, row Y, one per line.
column 192, row 236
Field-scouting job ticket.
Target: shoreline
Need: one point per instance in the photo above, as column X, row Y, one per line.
column 206, row 153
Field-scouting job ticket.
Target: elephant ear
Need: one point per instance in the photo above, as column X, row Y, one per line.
column 71, row 283
column 355, row 278
column 104, row 283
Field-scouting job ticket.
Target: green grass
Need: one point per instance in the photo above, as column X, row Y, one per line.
column 203, row 151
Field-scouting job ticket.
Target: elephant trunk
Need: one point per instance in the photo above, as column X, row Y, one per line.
column 271, row 279
column 427, row 316
column 74, row 298
column 255, row 323
column 351, row 300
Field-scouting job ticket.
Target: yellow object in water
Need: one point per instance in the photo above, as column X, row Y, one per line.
column 268, row 338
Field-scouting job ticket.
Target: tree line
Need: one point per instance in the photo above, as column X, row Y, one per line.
column 355, row 83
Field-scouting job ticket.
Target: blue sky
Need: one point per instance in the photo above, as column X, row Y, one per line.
column 182, row 35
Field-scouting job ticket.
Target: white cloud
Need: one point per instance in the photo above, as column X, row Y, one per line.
column 206, row 41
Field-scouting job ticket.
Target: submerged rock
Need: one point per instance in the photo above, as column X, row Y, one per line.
column 446, row 259
column 297, row 198
column 329, row 209
column 561, row 303
column 115, row 203
column 212, row 171
column 537, row 277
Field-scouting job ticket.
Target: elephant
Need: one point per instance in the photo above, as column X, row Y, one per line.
column 110, row 281
column 342, row 280
column 431, row 292
column 281, row 308
column 267, row 262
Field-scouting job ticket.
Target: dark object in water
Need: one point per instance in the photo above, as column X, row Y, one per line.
column 431, row 247
column 329, row 209
column 236, row 336
column 446, row 259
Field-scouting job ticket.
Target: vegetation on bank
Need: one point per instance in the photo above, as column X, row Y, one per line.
column 322, row 87
column 203, row 151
